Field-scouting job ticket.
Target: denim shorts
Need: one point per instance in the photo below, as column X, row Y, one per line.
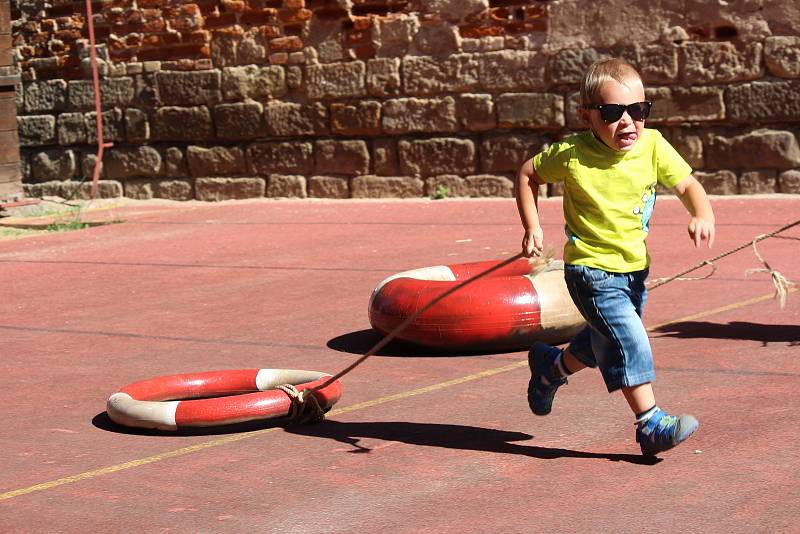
column 615, row 339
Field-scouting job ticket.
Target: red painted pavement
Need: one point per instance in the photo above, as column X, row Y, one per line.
column 271, row 284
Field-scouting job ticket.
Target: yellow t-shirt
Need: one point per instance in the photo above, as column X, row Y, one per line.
column 609, row 196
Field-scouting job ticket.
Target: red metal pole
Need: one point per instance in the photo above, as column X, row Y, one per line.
column 97, row 103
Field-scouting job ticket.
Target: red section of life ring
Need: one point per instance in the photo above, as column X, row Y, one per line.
column 215, row 398
column 506, row 310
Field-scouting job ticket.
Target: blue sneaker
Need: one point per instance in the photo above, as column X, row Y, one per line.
column 662, row 432
column 544, row 381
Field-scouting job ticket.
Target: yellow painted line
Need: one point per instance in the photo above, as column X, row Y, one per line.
column 428, row 389
column 352, row 408
column 238, row 437
column 127, row 465
column 715, row 311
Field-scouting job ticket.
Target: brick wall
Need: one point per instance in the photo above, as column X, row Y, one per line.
column 389, row 98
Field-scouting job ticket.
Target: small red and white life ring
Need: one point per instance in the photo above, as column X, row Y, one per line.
column 507, row 310
column 214, row 398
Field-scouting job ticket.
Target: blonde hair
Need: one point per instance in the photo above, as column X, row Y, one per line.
column 602, row 71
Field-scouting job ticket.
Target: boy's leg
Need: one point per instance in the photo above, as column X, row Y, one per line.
column 640, row 398
column 572, row 363
column 612, row 304
column 547, row 375
column 612, row 307
column 550, row 368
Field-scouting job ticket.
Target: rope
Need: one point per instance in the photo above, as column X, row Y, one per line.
column 305, row 407
column 782, row 284
column 300, row 399
column 301, row 413
column 411, row 318
column 661, row 281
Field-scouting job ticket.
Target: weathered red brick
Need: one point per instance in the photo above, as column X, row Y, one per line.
column 70, row 22
column 279, row 58
column 170, row 38
column 151, row 40
column 229, row 31
column 57, row 47
column 476, row 31
column 294, row 16
column 364, row 51
column 283, row 44
column 233, row 6
column 536, row 25
column 101, row 33
column 154, row 25
column 68, row 35
column 263, row 4
column 378, row 7
column 207, row 6
column 178, row 51
column 259, row 17
column 124, row 55
column 362, row 23
column 39, row 38
column 197, row 37
column 134, row 39
column 220, row 20
column 270, row 31
column 134, row 16
column 190, row 10
column 331, row 13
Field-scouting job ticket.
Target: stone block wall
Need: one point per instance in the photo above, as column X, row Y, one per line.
column 227, row 99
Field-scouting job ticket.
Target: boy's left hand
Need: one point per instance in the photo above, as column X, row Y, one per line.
column 701, row 229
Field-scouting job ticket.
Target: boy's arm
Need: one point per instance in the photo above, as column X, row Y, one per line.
column 694, row 198
column 527, row 191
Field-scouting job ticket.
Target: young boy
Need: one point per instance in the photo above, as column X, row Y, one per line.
column 609, row 173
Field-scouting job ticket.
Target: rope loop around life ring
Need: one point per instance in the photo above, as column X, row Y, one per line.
column 305, row 408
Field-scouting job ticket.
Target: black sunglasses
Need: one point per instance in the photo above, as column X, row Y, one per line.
column 638, row 111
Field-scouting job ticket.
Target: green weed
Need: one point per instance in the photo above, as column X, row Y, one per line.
column 66, row 226
column 442, row 191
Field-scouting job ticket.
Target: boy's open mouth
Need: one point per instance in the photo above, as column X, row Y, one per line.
column 627, row 138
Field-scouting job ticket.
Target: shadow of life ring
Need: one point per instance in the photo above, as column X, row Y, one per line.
column 507, row 310
column 216, row 398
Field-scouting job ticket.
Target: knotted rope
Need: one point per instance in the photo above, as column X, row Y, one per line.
column 782, row 284
column 305, row 407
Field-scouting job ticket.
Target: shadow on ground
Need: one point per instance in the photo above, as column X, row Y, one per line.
column 458, row 437
column 765, row 333
column 360, row 341
column 451, row 437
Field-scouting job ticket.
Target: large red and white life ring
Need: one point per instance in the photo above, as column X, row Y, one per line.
column 214, row 398
column 507, row 310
